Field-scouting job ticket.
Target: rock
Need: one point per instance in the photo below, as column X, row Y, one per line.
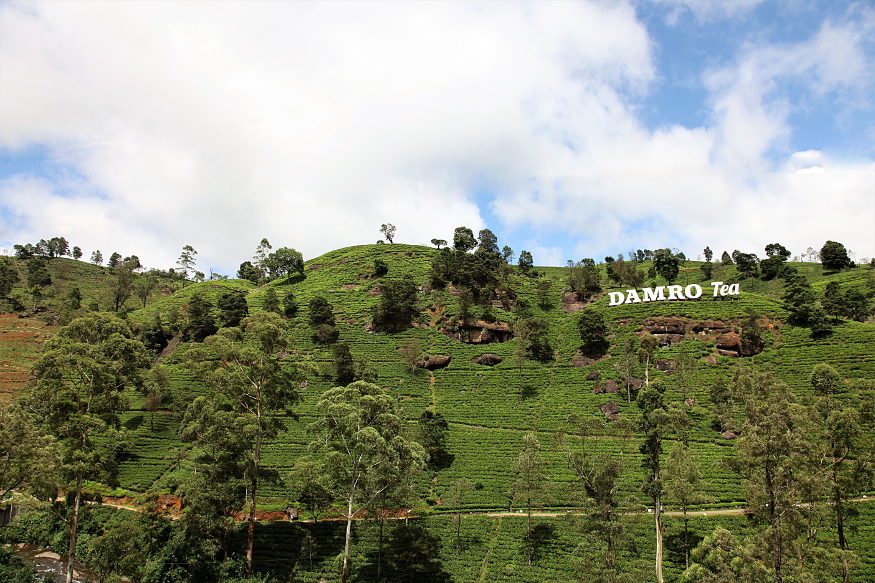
column 712, row 360
column 708, row 325
column 597, row 388
column 669, row 339
column 729, row 345
column 666, row 366
column 593, row 375
column 582, row 360
column 479, row 333
column 664, row 325
column 434, row 362
column 571, row 304
column 611, row 386
column 487, row 359
column 728, row 435
column 690, row 402
column 610, row 409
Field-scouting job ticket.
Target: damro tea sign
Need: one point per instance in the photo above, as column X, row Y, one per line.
column 675, row 292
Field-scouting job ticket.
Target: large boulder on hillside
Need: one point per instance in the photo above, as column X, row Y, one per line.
column 593, row 375
column 708, row 326
column 729, row 345
column 434, row 362
column 487, row 359
column 666, row 340
column 666, row 366
column 611, row 411
column 611, row 386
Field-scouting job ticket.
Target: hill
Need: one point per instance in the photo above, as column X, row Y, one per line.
column 489, row 407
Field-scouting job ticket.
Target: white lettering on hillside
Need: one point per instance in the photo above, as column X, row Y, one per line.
column 675, row 292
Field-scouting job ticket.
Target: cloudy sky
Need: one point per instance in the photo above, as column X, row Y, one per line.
column 571, row 129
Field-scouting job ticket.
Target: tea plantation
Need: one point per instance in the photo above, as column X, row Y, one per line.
column 489, row 409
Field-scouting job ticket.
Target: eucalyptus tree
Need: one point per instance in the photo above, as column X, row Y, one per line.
column 79, row 391
column 360, row 431
column 186, row 261
column 686, row 367
column 532, row 484
column 244, row 366
column 454, row 498
column 683, row 485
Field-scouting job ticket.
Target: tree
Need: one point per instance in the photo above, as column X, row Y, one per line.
column 708, row 254
column 200, row 318
column 29, row 455
column 186, row 261
column 598, row 475
column 156, row 390
column 144, row 286
column 413, row 548
column 77, row 253
column 79, row 391
column 656, row 422
column 774, row 265
column 360, row 429
column 37, row 274
column 411, row 350
column 686, row 366
column 122, row 285
column 313, row 487
column 531, row 486
column 488, row 242
column 463, row 239
column 834, row 256
column 271, row 303
column 260, row 258
column 344, row 366
column 683, row 485
column 381, row 268
column 439, row 243
column 232, row 308
column 431, row 432
column 667, row 264
column 96, row 257
column 649, row 344
column 255, row 383
column 290, row 305
column 398, row 303
column 388, row 231
column 593, row 331
column 525, row 262
column 507, row 254
column 8, row 276
column 248, row 272
column 746, row 263
column 285, row 261
column 847, row 455
column 628, row 364
column 771, row 453
column 720, row 558
column 583, row 278
column 321, row 312
column 833, row 301
column 454, row 498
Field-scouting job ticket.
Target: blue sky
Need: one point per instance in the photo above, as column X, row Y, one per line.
column 571, row 129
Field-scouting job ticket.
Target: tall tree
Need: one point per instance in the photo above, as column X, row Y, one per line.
column 439, row 243
column 525, row 262
column 656, row 422
column 454, row 498
column 186, row 261
column 388, row 231
column 649, row 344
column 463, row 239
column 683, row 485
column 667, row 264
column 771, row 454
column 708, row 254
column 29, row 455
column 285, row 261
column 260, row 258
column 531, row 485
column 593, row 331
column 834, row 256
column 359, row 429
column 97, row 257
column 846, row 453
column 81, row 378
column 249, row 374
column 487, row 241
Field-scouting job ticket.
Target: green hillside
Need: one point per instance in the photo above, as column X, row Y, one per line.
column 489, row 408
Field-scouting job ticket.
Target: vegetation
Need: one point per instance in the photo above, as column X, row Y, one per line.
column 440, row 369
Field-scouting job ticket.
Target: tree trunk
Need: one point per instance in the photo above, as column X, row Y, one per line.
column 380, row 546
column 250, row 541
column 345, row 572
column 458, row 531
column 529, row 534
column 776, row 537
column 686, row 539
column 658, row 512
column 837, row 498
column 73, row 524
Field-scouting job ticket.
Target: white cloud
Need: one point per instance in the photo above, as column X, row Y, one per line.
column 313, row 123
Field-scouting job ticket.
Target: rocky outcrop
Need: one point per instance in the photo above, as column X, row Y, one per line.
column 666, row 366
column 611, row 386
column 434, row 362
column 708, row 326
column 571, row 304
column 480, row 333
column 487, row 359
column 582, row 360
column 593, row 375
column 732, row 345
column 664, row 325
column 611, row 411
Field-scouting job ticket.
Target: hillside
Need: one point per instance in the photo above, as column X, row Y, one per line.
column 489, row 408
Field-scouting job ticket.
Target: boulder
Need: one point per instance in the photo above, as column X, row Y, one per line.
column 487, row 359
column 728, row 435
column 611, row 410
column 664, row 325
column 708, row 325
column 593, row 375
column 434, row 362
column 729, row 345
column 597, row 388
column 712, row 360
column 669, row 339
column 666, row 366
column 571, row 304
column 611, row 387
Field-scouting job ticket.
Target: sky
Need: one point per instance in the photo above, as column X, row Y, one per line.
column 570, row 129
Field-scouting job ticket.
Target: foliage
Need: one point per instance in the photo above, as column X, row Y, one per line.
column 593, row 331
column 232, row 308
column 583, row 278
column 388, row 231
column 290, row 305
column 344, row 367
column 284, row 261
column 531, row 486
column 398, row 304
column 271, row 303
column 463, row 239
column 186, row 261
column 525, row 262
column 834, row 256
column 667, row 264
